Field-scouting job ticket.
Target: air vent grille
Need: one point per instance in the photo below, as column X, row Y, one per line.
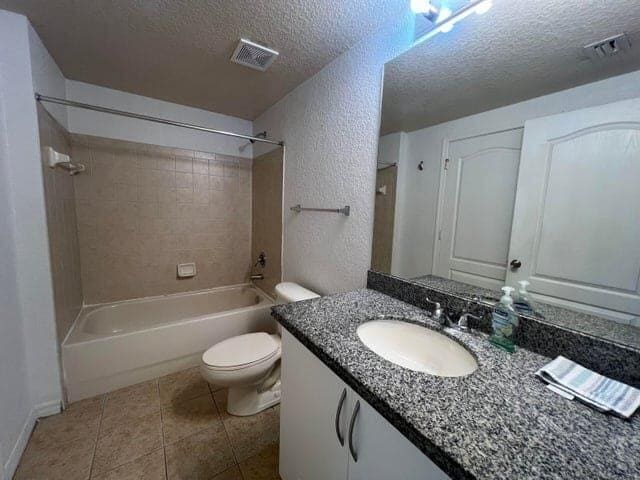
column 253, row 55
column 609, row 47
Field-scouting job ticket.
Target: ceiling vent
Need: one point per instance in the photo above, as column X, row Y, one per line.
column 253, row 55
column 609, row 47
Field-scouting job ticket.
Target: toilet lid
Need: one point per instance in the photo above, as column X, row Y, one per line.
column 242, row 350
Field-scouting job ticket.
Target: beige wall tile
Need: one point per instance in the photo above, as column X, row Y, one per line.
column 60, row 192
column 139, row 205
column 266, row 217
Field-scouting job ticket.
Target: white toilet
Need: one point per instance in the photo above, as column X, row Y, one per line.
column 250, row 364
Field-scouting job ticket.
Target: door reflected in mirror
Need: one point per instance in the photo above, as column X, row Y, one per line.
column 502, row 160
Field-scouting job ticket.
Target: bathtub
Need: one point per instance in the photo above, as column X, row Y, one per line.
column 119, row 344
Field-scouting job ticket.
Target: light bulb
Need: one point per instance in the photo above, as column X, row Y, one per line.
column 446, row 28
column 484, row 7
column 443, row 14
column 420, row 6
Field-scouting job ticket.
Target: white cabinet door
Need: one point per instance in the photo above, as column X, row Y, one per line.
column 309, row 445
column 576, row 228
column 383, row 453
column 477, row 210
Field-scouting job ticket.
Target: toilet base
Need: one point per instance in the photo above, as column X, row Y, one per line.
column 245, row 401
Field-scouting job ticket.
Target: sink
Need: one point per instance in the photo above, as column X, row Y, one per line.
column 417, row 348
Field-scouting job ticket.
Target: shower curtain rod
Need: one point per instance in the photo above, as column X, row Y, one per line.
column 86, row 106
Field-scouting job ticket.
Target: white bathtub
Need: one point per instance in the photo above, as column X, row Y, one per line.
column 115, row 345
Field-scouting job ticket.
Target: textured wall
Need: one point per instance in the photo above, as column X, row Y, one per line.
column 64, row 250
column 330, row 126
column 87, row 122
column 142, row 209
column 32, row 386
column 267, row 217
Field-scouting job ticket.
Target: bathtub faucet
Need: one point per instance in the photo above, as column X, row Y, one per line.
column 257, row 276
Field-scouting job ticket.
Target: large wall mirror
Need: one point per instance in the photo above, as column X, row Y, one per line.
column 510, row 150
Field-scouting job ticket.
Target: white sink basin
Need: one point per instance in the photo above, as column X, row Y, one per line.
column 417, row 348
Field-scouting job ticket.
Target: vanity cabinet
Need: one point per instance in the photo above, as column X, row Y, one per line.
column 328, row 432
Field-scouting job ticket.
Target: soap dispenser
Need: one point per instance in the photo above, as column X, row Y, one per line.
column 504, row 321
column 522, row 302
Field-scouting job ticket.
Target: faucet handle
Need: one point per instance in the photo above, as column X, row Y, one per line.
column 437, row 311
column 463, row 321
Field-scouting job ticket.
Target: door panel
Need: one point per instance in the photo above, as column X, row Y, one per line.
column 477, row 211
column 384, row 453
column 579, row 178
column 309, row 446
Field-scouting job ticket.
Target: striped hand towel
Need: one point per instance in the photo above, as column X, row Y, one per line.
column 572, row 380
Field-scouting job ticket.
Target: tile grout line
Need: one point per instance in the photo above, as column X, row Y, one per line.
column 164, row 452
column 226, row 433
column 103, row 403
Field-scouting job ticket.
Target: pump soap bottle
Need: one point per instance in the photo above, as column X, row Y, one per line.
column 504, row 321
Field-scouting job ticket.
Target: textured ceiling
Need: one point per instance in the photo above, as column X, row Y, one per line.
column 519, row 50
column 179, row 50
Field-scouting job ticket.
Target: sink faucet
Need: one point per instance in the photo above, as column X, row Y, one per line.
column 437, row 313
column 463, row 321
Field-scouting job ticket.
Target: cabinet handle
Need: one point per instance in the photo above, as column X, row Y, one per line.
column 337, row 419
column 354, row 415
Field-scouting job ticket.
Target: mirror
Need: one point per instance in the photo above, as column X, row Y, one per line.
column 510, row 151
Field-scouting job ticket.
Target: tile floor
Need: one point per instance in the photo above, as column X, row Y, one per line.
column 173, row 427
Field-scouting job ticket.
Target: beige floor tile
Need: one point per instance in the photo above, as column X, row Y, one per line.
column 189, row 417
column 56, row 461
column 126, row 442
column 231, row 474
column 181, row 386
column 249, row 435
column 215, row 388
column 130, row 403
column 220, row 397
column 87, row 403
column 200, row 456
column 263, row 466
column 77, row 423
column 149, row 467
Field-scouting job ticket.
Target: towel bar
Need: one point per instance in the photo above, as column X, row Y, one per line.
column 346, row 210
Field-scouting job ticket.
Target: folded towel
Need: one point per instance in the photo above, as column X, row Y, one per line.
column 602, row 393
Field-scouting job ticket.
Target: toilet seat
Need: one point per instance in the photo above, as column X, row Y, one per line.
column 243, row 351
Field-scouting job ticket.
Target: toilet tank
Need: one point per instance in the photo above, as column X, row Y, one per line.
column 288, row 292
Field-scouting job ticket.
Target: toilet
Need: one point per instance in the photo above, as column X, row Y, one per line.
column 249, row 364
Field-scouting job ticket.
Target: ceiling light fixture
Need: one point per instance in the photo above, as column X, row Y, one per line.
column 443, row 18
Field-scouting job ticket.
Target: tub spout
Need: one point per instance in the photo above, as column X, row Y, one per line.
column 257, row 276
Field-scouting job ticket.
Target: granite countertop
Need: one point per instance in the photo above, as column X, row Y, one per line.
column 498, row 423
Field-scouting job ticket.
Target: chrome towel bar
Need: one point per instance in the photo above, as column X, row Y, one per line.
column 346, row 210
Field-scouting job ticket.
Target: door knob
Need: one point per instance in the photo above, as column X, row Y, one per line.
column 515, row 264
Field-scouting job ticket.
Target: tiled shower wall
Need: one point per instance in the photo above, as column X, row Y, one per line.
column 61, row 226
column 267, row 217
column 142, row 209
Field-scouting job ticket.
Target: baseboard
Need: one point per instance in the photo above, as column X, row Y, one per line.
column 42, row 410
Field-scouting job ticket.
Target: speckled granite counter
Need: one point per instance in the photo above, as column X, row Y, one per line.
column 551, row 336
column 498, row 423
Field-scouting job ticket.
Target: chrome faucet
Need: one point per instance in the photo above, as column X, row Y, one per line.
column 437, row 313
column 463, row 321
